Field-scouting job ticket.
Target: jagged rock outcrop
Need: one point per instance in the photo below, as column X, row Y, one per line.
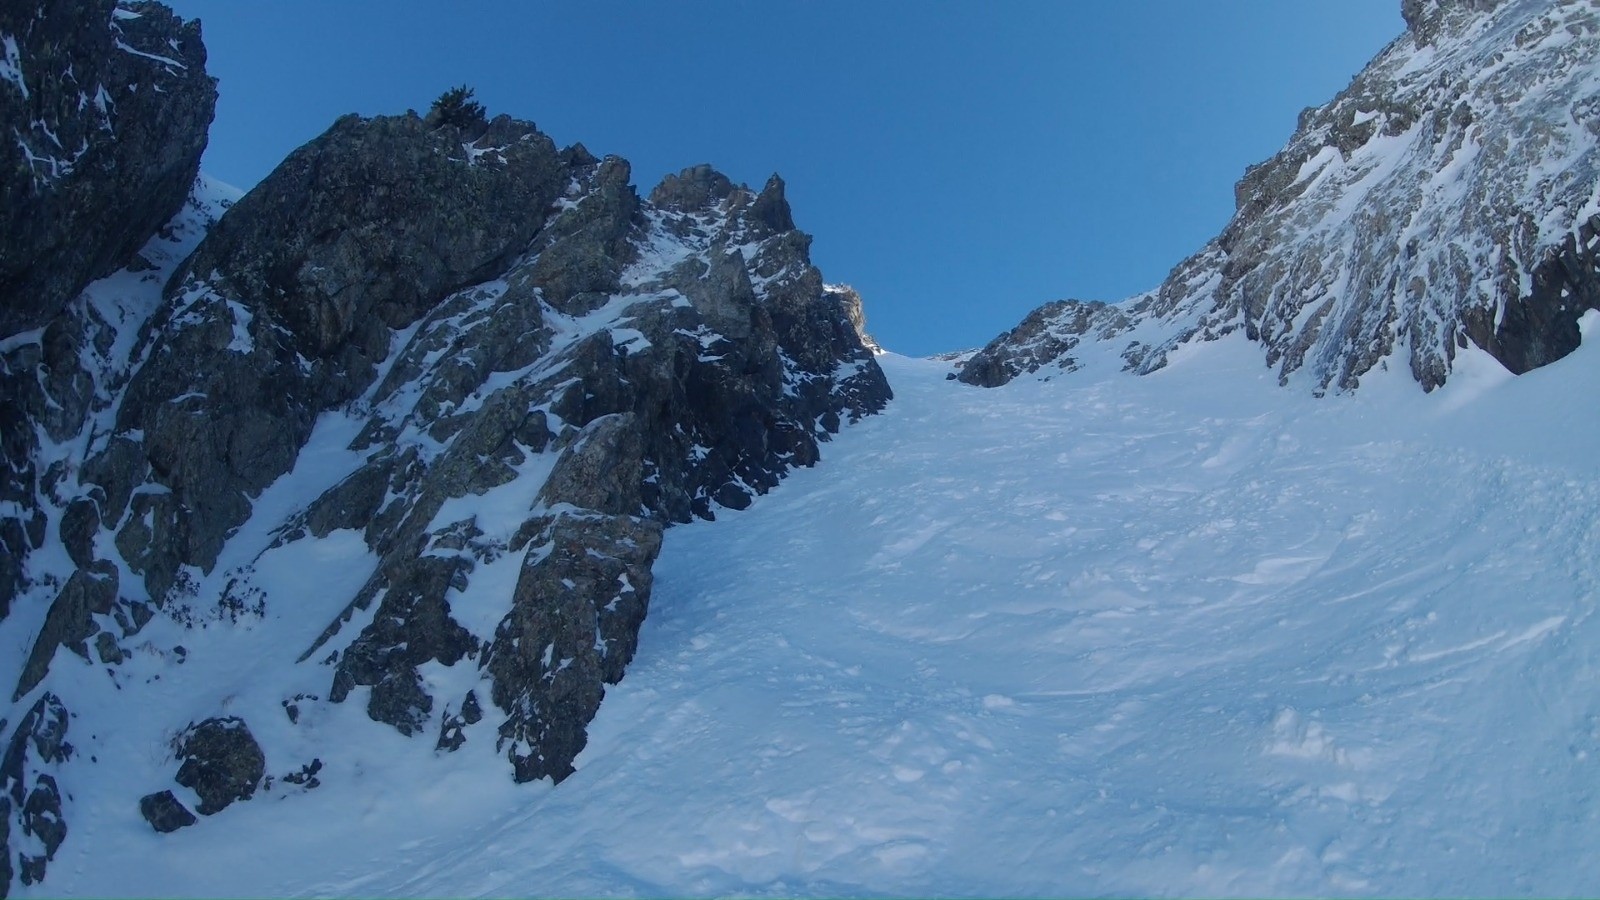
column 165, row 812
column 681, row 356
column 1447, row 197
column 1046, row 337
column 1427, row 18
column 31, row 800
column 573, row 628
column 58, row 394
column 107, row 107
column 108, row 104
column 478, row 372
column 287, row 308
column 639, row 363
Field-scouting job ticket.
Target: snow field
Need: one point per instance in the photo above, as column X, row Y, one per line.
column 1136, row 636
column 1189, row 633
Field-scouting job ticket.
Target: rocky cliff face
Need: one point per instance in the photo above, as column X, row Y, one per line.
column 108, row 106
column 399, row 431
column 1447, row 197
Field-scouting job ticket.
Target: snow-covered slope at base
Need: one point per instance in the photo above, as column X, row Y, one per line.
column 1188, row 633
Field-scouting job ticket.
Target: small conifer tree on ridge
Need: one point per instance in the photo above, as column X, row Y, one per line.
column 456, row 107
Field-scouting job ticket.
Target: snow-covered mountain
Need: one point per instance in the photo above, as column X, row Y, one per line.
column 399, row 431
column 1447, row 197
column 332, row 511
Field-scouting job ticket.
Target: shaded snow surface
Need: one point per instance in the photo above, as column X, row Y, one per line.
column 1190, row 633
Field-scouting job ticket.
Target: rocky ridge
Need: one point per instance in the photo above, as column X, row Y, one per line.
column 1446, row 198
column 401, row 429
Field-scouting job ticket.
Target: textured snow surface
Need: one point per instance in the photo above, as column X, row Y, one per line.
column 1189, row 633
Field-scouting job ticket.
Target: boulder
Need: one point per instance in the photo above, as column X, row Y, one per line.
column 164, row 812
column 222, row 763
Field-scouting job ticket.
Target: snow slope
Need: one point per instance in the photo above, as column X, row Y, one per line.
column 1182, row 634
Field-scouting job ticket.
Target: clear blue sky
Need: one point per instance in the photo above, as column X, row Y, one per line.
column 959, row 163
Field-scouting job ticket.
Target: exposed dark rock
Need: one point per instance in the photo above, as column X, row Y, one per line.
column 41, row 817
column 22, row 534
column 79, row 524
column 291, row 707
column 678, row 408
column 1046, row 337
column 111, row 110
column 452, row 729
column 116, row 471
column 581, row 256
column 602, row 469
column 1541, row 326
column 771, row 208
column 306, row 776
column 1426, row 18
column 721, row 292
column 70, row 621
column 165, row 812
column 695, row 189
column 573, row 627
column 413, row 626
column 110, row 122
column 371, row 224
column 31, row 793
column 291, row 303
column 41, row 737
column 132, row 616
column 222, row 762
column 352, row 502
